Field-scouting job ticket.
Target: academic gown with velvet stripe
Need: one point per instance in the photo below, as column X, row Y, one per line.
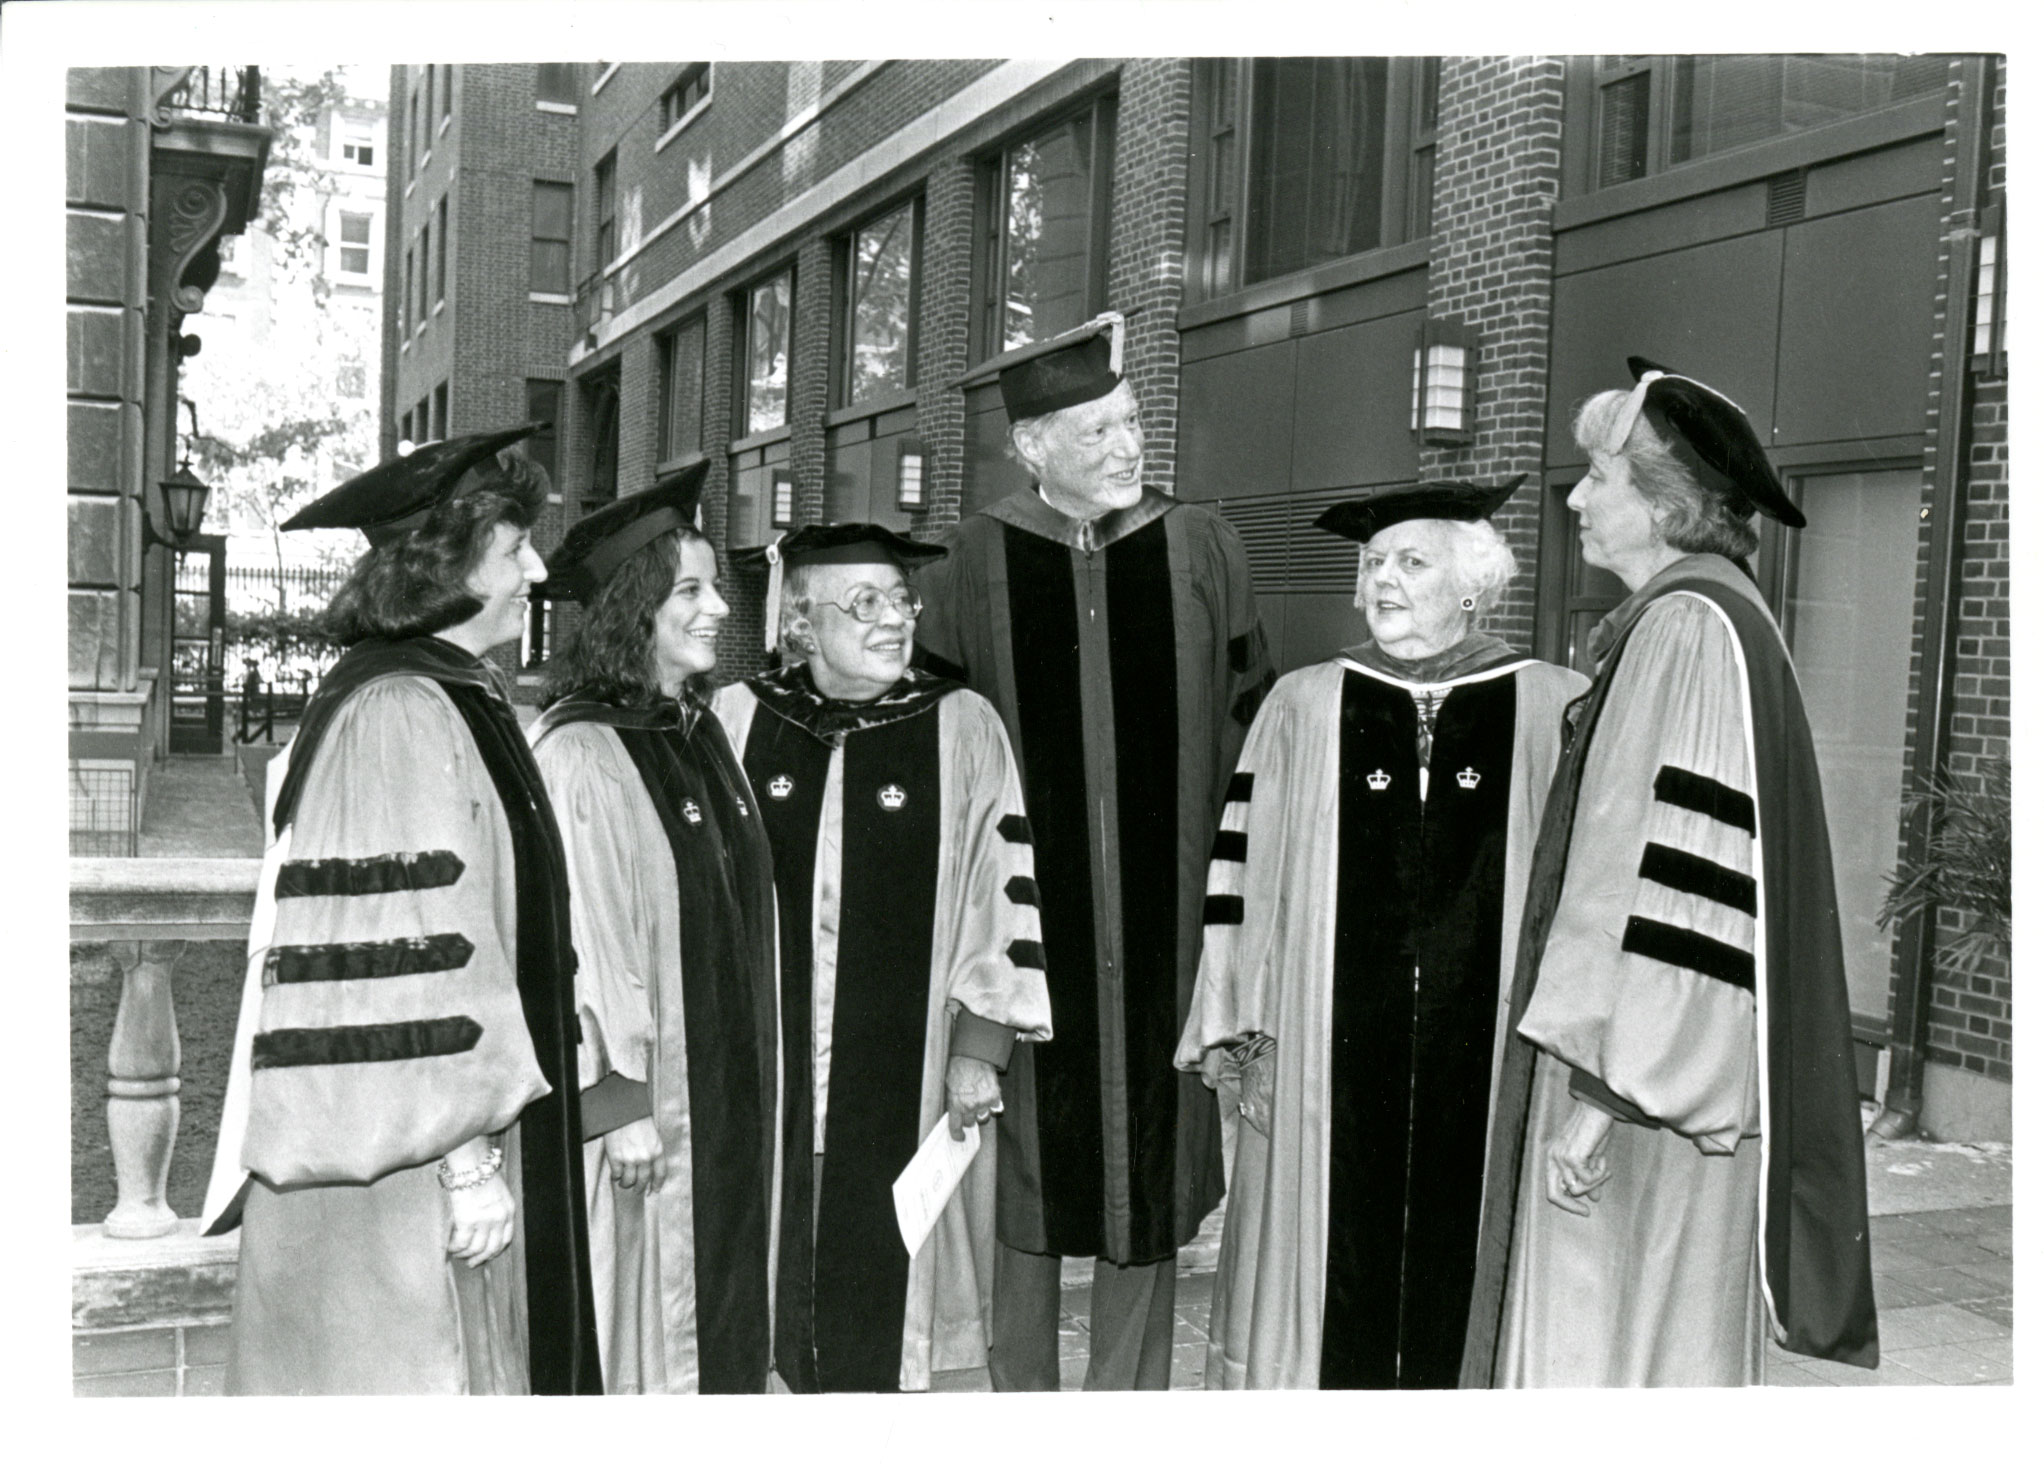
column 672, row 907
column 1682, row 969
column 909, row 916
column 1366, row 923
column 1125, row 658
column 400, row 1000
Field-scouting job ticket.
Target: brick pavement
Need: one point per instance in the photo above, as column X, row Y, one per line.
column 1943, row 1282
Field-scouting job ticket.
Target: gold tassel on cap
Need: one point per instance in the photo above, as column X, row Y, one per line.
column 773, row 593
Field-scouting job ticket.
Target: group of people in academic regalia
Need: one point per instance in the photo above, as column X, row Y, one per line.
column 584, row 1057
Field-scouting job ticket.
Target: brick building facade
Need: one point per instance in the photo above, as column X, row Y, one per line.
column 161, row 163
column 784, row 269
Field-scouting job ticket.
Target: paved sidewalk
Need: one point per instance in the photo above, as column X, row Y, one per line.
column 1943, row 1281
column 199, row 806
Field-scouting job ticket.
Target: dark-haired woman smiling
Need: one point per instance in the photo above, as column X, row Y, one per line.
column 673, row 913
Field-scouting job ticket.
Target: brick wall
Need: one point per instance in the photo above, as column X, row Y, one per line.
column 1970, row 1019
column 941, row 357
column 1497, row 177
column 809, row 376
column 1146, row 252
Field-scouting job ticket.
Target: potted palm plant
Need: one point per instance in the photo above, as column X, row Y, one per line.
column 1965, row 866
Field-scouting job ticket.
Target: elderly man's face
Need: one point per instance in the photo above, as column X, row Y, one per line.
column 1091, row 454
column 858, row 660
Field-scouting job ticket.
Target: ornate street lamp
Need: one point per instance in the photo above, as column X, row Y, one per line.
column 184, row 508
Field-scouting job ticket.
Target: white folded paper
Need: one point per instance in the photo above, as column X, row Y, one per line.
column 929, row 1179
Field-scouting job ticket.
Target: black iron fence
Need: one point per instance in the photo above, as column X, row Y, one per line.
column 232, row 93
column 309, row 582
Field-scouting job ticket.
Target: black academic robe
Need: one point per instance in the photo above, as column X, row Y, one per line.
column 1361, row 911
column 1126, row 660
column 674, row 917
column 415, row 991
column 908, row 933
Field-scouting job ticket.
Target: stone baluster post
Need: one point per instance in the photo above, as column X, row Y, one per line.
column 141, row 1089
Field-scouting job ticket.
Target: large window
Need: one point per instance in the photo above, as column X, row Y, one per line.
column 425, row 270
column 1045, row 202
column 689, row 91
column 553, row 207
column 880, row 306
column 354, row 248
column 404, row 302
column 543, row 405
column 599, row 401
column 1311, row 160
column 1655, row 112
column 440, row 410
column 440, row 253
column 606, row 209
column 446, row 93
column 681, row 394
column 763, row 361
column 556, row 83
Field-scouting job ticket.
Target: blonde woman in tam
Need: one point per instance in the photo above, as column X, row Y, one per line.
column 1691, row 1179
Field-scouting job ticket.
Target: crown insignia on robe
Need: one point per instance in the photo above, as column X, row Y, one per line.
column 1468, row 779
column 1378, row 780
column 691, row 812
column 780, row 787
column 892, row 797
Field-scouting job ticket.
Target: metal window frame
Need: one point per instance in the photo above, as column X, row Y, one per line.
column 844, row 319
column 1403, row 139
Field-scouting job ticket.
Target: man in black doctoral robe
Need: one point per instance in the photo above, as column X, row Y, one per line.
column 1115, row 630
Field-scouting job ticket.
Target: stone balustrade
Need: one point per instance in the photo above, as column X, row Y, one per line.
column 149, row 1295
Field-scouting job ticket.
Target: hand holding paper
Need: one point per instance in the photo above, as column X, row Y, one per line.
column 929, row 1179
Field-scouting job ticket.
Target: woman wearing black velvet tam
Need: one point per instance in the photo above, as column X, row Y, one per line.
column 673, row 914
column 401, row 1142
column 1691, row 1178
column 1361, row 911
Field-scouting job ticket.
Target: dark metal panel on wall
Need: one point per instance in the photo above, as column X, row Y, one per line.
column 1235, row 423
column 1712, row 311
column 1352, row 419
column 1857, row 303
column 990, row 475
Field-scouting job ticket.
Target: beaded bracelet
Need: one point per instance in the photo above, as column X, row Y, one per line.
column 472, row 1176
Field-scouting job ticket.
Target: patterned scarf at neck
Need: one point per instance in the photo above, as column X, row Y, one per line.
column 1473, row 653
column 791, row 692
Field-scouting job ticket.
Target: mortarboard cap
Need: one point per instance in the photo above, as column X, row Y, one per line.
column 1062, row 371
column 394, row 498
column 1711, row 435
column 598, row 543
column 851, row 544
column 1361, row 519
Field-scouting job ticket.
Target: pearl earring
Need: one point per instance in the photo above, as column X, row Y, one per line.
column 1469, row 603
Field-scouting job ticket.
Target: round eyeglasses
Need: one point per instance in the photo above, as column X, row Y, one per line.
column 868, row 602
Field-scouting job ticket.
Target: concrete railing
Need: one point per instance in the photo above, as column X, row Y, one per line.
column 145, row 910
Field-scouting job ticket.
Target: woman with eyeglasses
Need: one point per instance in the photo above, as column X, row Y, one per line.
column 671, row 901
column 911, row 958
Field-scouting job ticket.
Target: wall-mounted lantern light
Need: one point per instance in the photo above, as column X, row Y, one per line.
column 1444, row 384
column 184, row 499
column 184, row 509
column 908, row 473
column 784, row 499
column 1990, row 298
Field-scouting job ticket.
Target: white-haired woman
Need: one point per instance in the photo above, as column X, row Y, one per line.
column 1361, row 919
column 1692, row 1168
